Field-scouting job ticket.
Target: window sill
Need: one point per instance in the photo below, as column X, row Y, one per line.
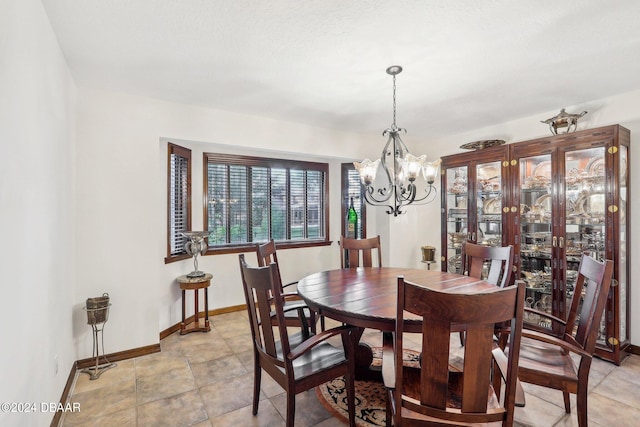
column 174, row 258
column 251, row 247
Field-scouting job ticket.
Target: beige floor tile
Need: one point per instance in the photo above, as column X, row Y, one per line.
column 240, row 343
column 164, row 384
column 157, row 363
column 267, row 416
column 234, row 316
column 330, row 422
column 629, row 370
column 308, row 411
column 125, row 417
column 226, row 396
column 208, row 351
column 246, row 358
column 538, row 412
column 171, row 343
column 195, row 338
column 625, row 391
column 233, row 329
column 217, row 370
column 109, row 399
column 606, row 411
column 184, row 409
column 269, row 386
column 599, row 370
column 549, row 396
column 124, row 370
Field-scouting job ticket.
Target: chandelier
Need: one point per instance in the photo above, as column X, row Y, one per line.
column 401, row 169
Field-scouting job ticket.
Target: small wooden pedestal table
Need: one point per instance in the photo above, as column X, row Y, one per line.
column 195, row 284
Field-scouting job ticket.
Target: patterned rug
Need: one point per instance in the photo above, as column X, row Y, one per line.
column 370, row 395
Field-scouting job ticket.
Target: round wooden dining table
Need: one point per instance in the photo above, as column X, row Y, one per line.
column 366, row 297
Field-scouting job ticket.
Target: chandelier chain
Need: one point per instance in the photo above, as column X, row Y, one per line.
column 394, row 100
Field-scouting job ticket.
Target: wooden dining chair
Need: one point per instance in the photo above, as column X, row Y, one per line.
column 446, row 390
column 303, row 316
column 351, row 250
column 491, row 263
column 298, row 361
column 547, row 354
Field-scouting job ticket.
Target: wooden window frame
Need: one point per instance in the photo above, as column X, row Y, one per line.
column 176, row 150
column 269, row 163
column 344, row 191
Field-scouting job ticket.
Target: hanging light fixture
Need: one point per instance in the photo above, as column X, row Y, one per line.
column 401, row 169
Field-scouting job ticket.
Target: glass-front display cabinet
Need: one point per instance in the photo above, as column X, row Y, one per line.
column 562, row 196
column 472, row 199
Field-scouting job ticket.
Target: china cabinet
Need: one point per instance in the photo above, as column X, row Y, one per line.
column 474, row 188
column 554, row 199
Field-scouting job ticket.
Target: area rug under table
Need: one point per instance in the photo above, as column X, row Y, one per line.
column 370, row 395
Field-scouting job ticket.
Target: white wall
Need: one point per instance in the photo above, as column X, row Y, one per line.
column 37, row 122
column 621, row 109
column 121, row 216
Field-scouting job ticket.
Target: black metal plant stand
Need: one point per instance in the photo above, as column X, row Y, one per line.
column 97, row 316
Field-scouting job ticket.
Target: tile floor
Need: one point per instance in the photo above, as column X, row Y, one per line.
column 205, row 379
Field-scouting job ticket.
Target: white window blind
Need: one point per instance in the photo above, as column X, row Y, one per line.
column 179, row 201
column 252, row 199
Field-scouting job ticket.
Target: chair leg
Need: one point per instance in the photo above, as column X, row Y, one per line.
column 291, row 408
column 581, row 399
column 350, row 377
column 567, row 402
column 257, row 376
column 351, row 398
column 313, row 320
column 389, row 410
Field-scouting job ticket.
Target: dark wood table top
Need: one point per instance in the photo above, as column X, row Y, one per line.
column 366, row 297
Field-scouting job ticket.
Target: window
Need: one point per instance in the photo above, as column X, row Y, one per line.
column 254, row 199
column 351, row 187
column 178, row 201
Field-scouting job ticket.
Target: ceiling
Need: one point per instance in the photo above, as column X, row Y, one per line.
column 467, row 63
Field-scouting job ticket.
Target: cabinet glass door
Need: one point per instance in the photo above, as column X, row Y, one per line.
column 488, row 204
column 457, row 214
column 585, row 230
column 536, row 233
column 623, row 245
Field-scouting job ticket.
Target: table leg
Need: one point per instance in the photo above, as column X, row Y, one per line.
column 364, row 357
column 196, row 322
column 206, row 309
column 182, row 325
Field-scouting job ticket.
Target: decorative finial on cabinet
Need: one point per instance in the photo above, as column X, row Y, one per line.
column 563, row 120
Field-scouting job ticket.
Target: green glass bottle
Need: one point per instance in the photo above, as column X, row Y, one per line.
column 352, row 222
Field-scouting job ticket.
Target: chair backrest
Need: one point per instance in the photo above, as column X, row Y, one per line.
column 350, row 250
column 499, row 261
column 266, row 253
column 588, row 302
column 263, row 294
column 469, row 397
